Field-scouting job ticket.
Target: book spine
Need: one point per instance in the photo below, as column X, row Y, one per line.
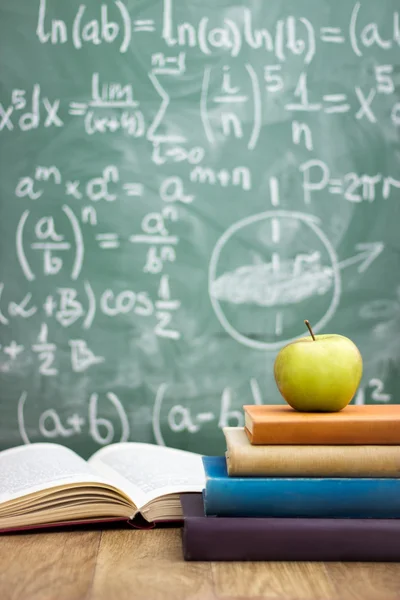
column 354, row 433
column 222, row 539
column 313, row 461
column 302, row 497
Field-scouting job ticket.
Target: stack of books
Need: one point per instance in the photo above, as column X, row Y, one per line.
column 301, row 486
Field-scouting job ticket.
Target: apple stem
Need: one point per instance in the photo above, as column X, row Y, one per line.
column 309, row 329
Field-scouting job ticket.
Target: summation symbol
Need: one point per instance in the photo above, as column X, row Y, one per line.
column 154, row 132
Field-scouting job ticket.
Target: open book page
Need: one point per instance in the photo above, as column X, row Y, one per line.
column 146, row 471
column 34, row 467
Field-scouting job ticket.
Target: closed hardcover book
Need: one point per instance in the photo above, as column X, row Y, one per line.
column 246, row 459
column 297, row 496
column 356, row 425
column 297, row 539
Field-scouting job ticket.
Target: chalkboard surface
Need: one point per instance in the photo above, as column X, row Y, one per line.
column 182, row 183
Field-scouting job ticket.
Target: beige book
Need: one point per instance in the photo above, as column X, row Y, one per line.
column 46, row 484
column 245, row 459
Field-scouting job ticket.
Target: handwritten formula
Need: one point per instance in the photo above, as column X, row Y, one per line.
column 180, row 187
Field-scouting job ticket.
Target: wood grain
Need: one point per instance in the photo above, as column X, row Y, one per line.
column 44, row 566
column 366, row 581
column 273, row 580
column 135, row 565
column 149, row 565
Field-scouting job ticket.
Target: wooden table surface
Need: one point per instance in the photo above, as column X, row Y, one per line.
column 131, row 564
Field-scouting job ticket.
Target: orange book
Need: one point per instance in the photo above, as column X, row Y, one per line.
column 371, row 424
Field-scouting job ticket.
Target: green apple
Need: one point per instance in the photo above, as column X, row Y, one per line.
column 318, row 373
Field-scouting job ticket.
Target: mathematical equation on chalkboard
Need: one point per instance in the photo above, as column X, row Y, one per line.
column 62, row 219
column 29, row 109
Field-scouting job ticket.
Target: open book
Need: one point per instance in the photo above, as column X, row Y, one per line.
column 48, row 484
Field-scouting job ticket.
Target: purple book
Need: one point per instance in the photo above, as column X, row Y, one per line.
column 297, row 539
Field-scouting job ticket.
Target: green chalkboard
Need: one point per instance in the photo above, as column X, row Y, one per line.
column 182, row 183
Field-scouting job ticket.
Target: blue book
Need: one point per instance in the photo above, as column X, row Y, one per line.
column 357, row 498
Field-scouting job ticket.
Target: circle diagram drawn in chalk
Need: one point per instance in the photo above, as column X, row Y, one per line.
column 268, row 273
